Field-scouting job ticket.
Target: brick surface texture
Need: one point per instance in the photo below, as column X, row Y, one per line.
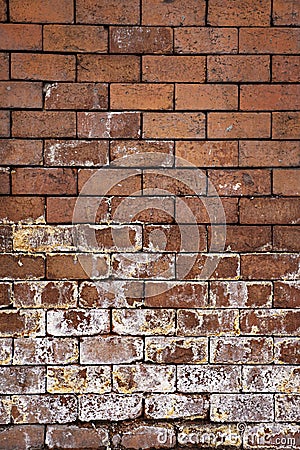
column 149, row 224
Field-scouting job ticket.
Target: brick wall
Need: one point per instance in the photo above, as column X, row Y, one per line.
column 149, row 224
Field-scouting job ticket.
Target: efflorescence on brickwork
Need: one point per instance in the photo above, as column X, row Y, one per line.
column 149, row 224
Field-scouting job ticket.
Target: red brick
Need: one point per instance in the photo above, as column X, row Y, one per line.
column 176, row 406
column 174, row 181
column 4, row 181
column 241, row 350
column 174, row 69
column 286, row 238
column 241, row 238
column 287, row 350
column 110, row 350
column 68, row 266
column 239, row 125
column 61, row 210
column 73, row 436
column 271, row 153
column 174, row 238
column 142, row 209
column 78, row 322
column 142, row 436
column 269, row 211
column 75, row 38
column 240, row 182
column 6, row 239
column 20, row 436
column 244, row 407
column 238, row 68
column 275, row 266
column 109, row 407
column 35, row 124
column 21, row 95
column 22, row 323
column 43, row 11
column 21, row 266
column 202, row 266
column 71, row 153
column 49, row 350
column 109, row 68
column 239, row 13
column 206, row 40
column 111, row 294
column 176, row 350
column 44, row 409
column 286, row 182
column 143, row 378
column 141, row 40
column 206, row 97
column 143, row 322
column 4, row 66
column 240, row 294
column 207, row 210
column 4, row 123
column 206, row 323
column 3, row 10
column 5, row 294
column 270, row 322
column 207, row 153
column 45, row 294
column 108, row 125
column 44, row 181
column 286, row 12
column 269, row 40
column 286, row 294
column 22, row 380
column 126, row 182
column 143, row 265
column 174, row 125
column 286, row 125
column 142, row 153
column 141, row 96
column 34, row 66
column 268, row 98
column 76, row 96
column 20, row 37
column 21, row 209
column 286, row 68
column 172, row 294
column 21, row 152
column 109, row 12
column 190, row 12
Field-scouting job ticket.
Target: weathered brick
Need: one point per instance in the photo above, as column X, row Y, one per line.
column 78, row 379
column 143, row 265
column 241, row 350
column 277, row 265
column 51, row 124
column 45, row 294
column 110, row 12
column 4, row 123
column 286, row 12
column 170, row 350
column 43, row 11
column 108, row 68
column 5, row 294
column 141, row 96
column 239, row 125
column 287, row 408
column 238, row 68
column 22, row 436
column 239, row 13
column 206, row 97
column 208, row 379
column 44, row 409
column 44, row 181
column 174, row 238
column 240, row 294
column 110, row 407
column 87, row 96
column 286, row 238
column 111, row 294
column 287, row 350
column 174, row 125
column 31, row 66
column 269, row 210
column 271, row 153
column 286, row 294
column 176, row 294
column 75, row 38
column 41, row 238
column 278, row 97
column 240, row 182
column 78, row 322
column 286, row 68
column 49, row 350
column 22, row 380
column 144, row 378
column 207, row 153
column 144, row 435
column 61, row 210
column 75, row 152
column 286, row 125
column 6, row 351
column 141, row 40
column 270, row 434
column 20, row 37
column 210, row 434
column 143, row 322
column 155, row 12
column 110, row 350
column 245, row 407
column 17, row 152
column 108, row 125
column 74, row 436
column 271, row 379
column 22, row 323
column 274, row 321
column 206, row 40
column 206, row 323
column 21, row 266
column 142, row 153
column 21, row 209
column 174, row 69
column 176, row 406
column 5, row 410
column 269, row 40
column 76, row 266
